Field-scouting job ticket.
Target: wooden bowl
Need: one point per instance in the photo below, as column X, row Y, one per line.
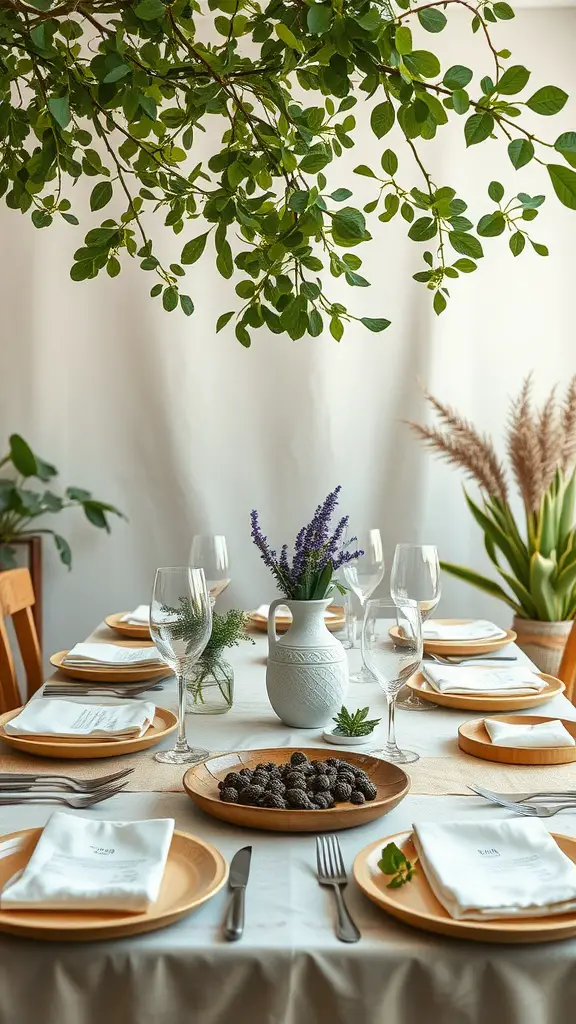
column 473, row 739
column 129, row 629
column 472, row 648
column 201, row 784
column 484, row 701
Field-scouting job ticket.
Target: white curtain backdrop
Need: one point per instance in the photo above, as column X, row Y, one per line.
column 186, row 431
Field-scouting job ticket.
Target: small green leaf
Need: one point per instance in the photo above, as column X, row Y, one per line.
column 170, row 298
column 564, row 182
column 63, row 549
column 113, row 267
column 496, row 191
column 423, row 229
column 340, row 195
column 364, row 170
column 403, row 39
column 336, row 328
column 491, row 225
column 520, row 152
column 465, row 266
column 503, row 11
column 517, row 243
column 389, row 162
column 382, row 119
column 59, row 107
column 542, row 250
column 460, row 101
column 566, row 145
column 439, row 303
column 187, row 305
column 22, row 456
column 457, row 77
column 432, row 19
column 222, row 320
column 288, row 37
column 319, row 18
column 548, row 100
column 375, row 324
column 422, row 63
column 193, row 249
column 101, row 195
column 466, row 244
column 513, row 80
column 478, row 127
column 150, row 10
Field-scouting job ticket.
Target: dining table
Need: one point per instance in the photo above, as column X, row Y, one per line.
column 289, row 967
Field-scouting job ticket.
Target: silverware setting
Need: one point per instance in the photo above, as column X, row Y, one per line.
column 75, row 800
column 31, row 783
column 237, row 882
column 124, row 690
column 454, row 659
column 331, row 871
column 526, row 809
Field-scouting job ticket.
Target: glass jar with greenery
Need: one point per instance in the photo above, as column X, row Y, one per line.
column 210, row 689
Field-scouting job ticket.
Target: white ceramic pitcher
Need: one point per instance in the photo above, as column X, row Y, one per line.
column 307, row 671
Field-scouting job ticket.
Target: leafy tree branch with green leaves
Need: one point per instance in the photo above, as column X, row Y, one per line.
column 119, row 91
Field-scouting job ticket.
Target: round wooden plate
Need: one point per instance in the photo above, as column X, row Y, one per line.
column 284, row 622
column 483, row 701
column 129, row 629
column 447, row 648
column 416, row 904
column 164, row 723
column 473, row 739
column 107, row 674
column 201, row 784
column 195, row 871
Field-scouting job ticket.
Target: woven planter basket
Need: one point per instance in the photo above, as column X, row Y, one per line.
column 543, row 642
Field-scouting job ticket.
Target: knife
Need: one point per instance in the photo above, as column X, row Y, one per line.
column 239, row 872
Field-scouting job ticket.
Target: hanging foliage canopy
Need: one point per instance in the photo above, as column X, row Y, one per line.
column 119, row 91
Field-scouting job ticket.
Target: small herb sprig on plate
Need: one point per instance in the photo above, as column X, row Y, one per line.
column 354, row 724
column 394, row 862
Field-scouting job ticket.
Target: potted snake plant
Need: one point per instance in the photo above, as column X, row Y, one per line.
column 535, row 558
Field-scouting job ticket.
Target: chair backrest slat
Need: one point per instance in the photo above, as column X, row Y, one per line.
column 16, row 601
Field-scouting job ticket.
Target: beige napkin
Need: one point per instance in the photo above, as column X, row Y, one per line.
column 139, row 617
column 66, row 719
column 83, row 864
column 480, row 870
column 545, row 734
column 113, row 656
column 478, row 629
column 492, row 681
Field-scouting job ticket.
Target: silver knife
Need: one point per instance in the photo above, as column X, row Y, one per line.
column 239, row 872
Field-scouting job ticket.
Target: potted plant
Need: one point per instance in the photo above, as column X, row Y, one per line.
column 20, row 506
column 210, row 689
column 126, row 94
column 351, row 728
column 307, row 671
column 536, row 559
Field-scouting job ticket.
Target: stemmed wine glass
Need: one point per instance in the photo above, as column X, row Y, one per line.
column 209, row 552
column 363, row 576
column 392, row 660
column 180, row 626
column 416, row 576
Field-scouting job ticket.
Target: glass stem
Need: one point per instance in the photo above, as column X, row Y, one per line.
column 181, row 743
column 391, row 740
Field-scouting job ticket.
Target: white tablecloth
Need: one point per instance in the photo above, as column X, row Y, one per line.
column 289, row 968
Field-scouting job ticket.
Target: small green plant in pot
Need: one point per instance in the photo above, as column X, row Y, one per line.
column 20, row 506
column 536, row 559
column 210, row 689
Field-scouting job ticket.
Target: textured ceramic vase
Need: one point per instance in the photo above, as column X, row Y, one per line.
column 307, row 671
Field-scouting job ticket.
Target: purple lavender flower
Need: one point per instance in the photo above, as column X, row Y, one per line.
column 317, row 553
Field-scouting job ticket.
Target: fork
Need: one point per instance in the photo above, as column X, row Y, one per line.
column 520, row 798
column 77, row 802
column 14, row 780
column 455, row 660
column 526, row 810
column 96, row 691
column 331, row 871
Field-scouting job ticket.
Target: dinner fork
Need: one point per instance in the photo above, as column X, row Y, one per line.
column 455, row 660
column 26, row 781
column 96, row 691
column 77, row 801
column 526, row 810
column 520, row 798
column 331, row 871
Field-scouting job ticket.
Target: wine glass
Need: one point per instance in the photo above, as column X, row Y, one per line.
column 392, row 660
column 180, row 626
column 209, row 552
column 363, row 576
column 416, row 576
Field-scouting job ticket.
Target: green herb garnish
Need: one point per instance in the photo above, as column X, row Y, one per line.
column 393, row 862
column 354, row 724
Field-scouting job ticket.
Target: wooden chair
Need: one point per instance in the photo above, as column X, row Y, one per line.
column 567, row 670
column 16, row 601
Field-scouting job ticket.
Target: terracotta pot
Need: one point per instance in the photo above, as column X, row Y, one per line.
column 543, row 642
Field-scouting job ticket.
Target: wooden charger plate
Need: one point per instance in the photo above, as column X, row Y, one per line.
column 473, row 739
column 164, row 723
column 284, row 622
column 483, row 701
column 201, row 784
column 106, row 674
column 129, row 629
column 194, row 872
column 416, row 904
column 471, row 647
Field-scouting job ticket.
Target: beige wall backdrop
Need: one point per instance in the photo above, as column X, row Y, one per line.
column 186, row 431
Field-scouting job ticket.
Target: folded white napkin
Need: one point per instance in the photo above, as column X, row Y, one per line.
column 545, row 734
column 112, row 655
column 283, row 612
column 493, row 681
column 478, row 629
column 139, row 617
column 82, row 864
column 490, row 869
column 67, row 719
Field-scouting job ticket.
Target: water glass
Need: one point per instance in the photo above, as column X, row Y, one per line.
column 363, row 575
column 416, row 576
column 210, row 552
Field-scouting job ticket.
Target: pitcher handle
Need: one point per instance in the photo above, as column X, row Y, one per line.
column 272, row 637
